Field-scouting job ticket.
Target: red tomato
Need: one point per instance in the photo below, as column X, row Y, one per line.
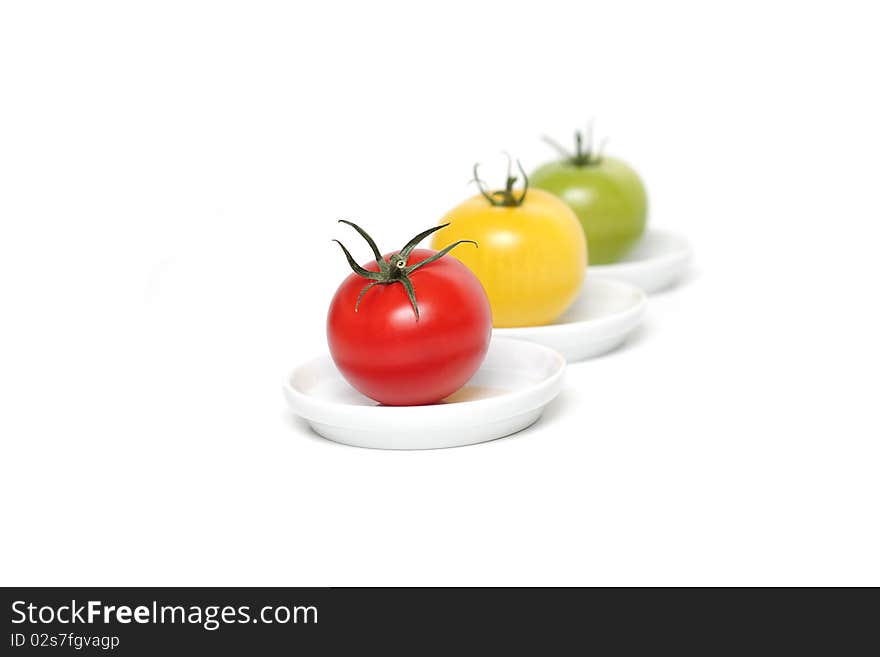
column 402, row 353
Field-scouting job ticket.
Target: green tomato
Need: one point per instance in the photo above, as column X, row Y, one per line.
column 607, row 196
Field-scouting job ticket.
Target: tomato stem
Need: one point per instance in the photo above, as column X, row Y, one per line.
column 394, row 269
column 504, row 197
column 584, row 155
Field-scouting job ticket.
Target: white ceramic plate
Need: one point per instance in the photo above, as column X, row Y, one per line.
column 508, row 393
column 657, row 262
column 601, row 318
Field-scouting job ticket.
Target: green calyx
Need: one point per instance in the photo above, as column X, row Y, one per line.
column 505, row 198
column 395, row 269
column 584, row 154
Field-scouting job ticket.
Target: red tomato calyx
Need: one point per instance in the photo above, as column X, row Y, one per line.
column 582, row 156
column 504, row 197
column 394, row 269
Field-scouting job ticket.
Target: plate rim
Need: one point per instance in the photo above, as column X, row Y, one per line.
column 683, row 254
column 309, row 403
column 633, row 312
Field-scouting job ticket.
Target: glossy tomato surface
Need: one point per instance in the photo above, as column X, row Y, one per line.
column 608, row 198
column 531, row 258
column 387, row 354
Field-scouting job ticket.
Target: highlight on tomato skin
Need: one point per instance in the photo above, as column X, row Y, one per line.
column 410, row 327
column 533, row 254
column 605, row 193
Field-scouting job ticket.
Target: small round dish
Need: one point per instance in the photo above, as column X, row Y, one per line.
column 508, row 393
column 657, row 262
column 600, row 319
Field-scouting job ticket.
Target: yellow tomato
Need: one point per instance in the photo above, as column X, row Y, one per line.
column 532, row 256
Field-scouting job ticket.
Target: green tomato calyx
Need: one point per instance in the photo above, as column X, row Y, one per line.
column 395, row 269
column 506, row 197
column 584, row 155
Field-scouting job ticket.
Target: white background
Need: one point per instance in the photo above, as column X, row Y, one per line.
column 170, row 177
